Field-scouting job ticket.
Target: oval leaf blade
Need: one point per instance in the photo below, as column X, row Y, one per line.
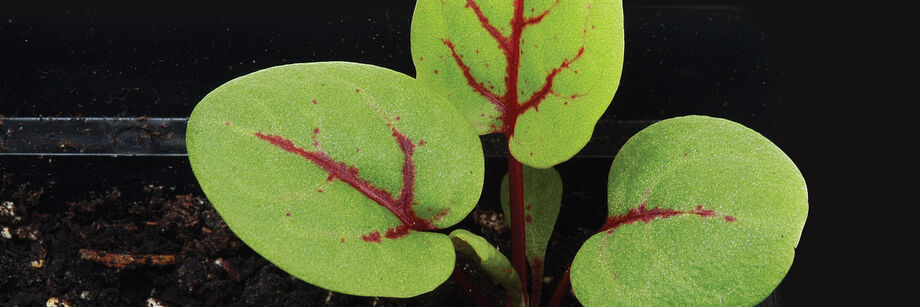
column 541, row 72
column 334, row 171
column 702, row 211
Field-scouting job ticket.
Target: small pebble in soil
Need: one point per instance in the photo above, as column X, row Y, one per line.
column 38, row 264
column 5, row 233
column 55, row 302
column 8, row 210
column 28, row 232
column 152, row 302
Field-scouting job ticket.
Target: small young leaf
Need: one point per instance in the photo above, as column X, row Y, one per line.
column 542, row 72
column 492, row 261
column 335, row 171
column 542, row 199
column 703, row 211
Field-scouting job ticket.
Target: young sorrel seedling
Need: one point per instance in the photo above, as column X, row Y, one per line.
column 345, row 174
column 541, row 73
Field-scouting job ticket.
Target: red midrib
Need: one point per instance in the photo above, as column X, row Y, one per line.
column 513, row 54
column 509, row 104
column 401, row 207
column 647, row 215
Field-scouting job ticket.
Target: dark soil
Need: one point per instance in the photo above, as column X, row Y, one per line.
column 49, row 231
column 53, row 218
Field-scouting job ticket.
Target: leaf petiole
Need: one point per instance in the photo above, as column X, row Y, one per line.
column 518, row 235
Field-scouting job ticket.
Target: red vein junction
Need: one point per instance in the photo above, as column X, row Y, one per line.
column 400, row 206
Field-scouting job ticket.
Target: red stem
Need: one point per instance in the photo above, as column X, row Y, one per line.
column 561, row 289
column 518, row 237
column 536, row 283
column 467, row 286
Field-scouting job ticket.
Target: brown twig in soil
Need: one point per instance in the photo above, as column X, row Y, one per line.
column 120, row 261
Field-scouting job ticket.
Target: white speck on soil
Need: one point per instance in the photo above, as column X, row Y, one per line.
column 38, row 264
column 152, row 302
column 55, row 302
column 7, row 209
column 6, row 233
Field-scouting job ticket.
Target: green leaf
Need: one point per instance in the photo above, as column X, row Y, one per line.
column 491, row 260
column 542, row 199
column 702, row 211
column 541, row 72
column 334, row 171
